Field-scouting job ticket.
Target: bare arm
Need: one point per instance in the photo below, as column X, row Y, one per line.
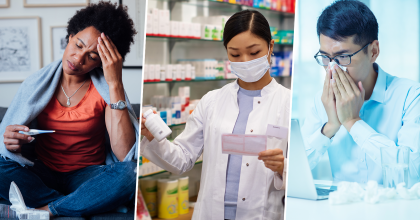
column 118, row 123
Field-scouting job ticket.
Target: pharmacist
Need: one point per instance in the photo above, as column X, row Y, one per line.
column 234, row 186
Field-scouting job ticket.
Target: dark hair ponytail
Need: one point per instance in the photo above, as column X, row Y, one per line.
column 246, row 20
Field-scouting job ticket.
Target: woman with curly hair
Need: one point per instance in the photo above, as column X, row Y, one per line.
column 88, row 165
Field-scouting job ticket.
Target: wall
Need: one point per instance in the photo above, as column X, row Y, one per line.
column 398, row 37
column 55, row 16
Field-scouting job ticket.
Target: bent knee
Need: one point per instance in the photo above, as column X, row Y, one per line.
column 127, row 172
column 126, row 186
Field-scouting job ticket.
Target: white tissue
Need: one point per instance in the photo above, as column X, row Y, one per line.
column 405, row 193
column 374, row 194
column 349, row 192
column 415, row 189
column 18, row 205
column 331, row 64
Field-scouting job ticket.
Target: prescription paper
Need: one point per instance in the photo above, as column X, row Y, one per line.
column 277, row 131
column 243, row 144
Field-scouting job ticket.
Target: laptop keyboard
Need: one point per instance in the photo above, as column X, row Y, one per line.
column 323, row 192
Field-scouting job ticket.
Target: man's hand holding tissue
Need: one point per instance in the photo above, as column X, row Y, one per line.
column 273, row 159
column 349, row 97
column 327, row 98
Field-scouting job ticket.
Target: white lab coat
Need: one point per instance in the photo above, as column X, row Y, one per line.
column 260, row 189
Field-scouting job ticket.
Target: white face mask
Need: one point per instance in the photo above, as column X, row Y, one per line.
column 251, row 71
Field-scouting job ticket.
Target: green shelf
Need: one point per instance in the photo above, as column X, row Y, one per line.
column 163, row 171
column 175, row 125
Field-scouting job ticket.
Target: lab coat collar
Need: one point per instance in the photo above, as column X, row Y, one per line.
column 378, row 93
column 271, row 87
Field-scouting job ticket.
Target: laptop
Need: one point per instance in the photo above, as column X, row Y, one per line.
column 300, row 181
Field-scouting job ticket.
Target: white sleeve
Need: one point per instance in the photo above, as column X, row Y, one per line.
column 181, row 155
column 280, row 180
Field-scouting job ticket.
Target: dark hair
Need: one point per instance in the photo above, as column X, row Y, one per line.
column 111, row 19
column 346, row 18
column 246, row 20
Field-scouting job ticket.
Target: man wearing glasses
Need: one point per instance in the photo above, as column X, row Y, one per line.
column 363, row 108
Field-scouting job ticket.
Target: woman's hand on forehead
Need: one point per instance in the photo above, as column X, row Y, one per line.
column 111, row 60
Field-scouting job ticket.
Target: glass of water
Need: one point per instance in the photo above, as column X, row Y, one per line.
column 395, row 165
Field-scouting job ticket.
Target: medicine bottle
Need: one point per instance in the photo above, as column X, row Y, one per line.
column 156, row 125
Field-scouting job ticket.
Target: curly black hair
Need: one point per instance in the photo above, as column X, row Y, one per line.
column 111, row 19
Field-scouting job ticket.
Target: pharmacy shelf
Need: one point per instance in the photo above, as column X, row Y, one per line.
column 224, row 6
column 281, row 20
column 148, row 36
column 258, row 8
column 180, row 38
column 196, row 80
column 175, row 125
column 201, row 80
column 162, row 171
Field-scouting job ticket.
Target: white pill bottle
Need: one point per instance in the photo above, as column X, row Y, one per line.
column 156, row 125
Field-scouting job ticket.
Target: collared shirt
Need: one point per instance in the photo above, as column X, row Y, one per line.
column 260, row 190
column 390, row 118
column 233, row 170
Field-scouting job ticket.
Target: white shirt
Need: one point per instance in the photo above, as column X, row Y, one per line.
column 260, row 189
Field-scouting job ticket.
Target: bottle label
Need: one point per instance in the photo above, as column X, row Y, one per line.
column 163, row 115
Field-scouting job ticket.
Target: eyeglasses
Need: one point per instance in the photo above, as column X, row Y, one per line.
column 342, row 59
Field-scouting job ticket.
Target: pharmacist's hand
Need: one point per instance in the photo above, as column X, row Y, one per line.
column 349, row 97
column 111, row 60
column 14, row 140
column 327, row 98
column 273, row 159
column 144, row 131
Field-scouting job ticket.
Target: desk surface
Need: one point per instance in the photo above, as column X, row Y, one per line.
column 297, row 209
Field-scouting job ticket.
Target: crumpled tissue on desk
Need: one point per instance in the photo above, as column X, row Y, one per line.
column 350, row 192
